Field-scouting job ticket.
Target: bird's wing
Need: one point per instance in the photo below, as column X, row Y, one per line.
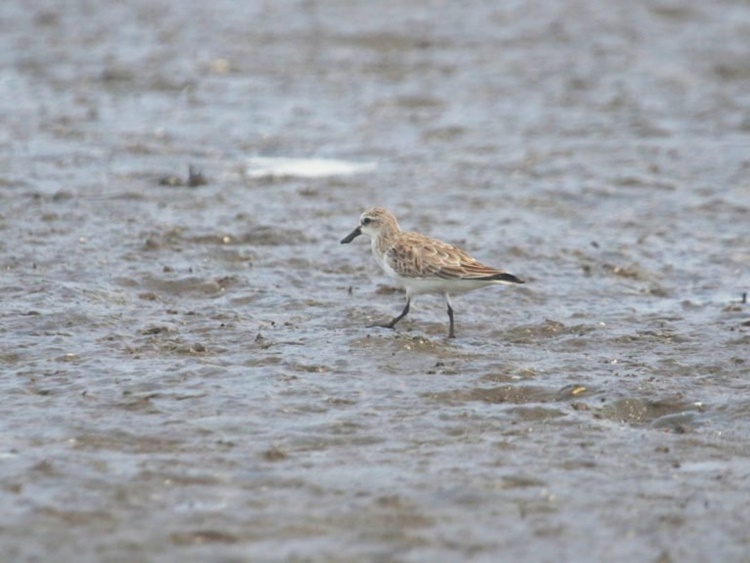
column 420, row 256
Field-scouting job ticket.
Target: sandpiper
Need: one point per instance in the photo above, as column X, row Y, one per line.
column 422, row 264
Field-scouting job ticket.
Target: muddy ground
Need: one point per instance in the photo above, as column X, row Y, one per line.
column 186, row 371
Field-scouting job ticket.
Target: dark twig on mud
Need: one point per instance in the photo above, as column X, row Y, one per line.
column 196, row 177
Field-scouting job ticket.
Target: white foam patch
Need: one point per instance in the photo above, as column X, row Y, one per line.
column 267, row 167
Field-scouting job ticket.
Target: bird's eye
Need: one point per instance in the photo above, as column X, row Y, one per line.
column 366, row 221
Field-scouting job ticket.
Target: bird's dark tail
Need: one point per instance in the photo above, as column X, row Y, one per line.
column 505, row 277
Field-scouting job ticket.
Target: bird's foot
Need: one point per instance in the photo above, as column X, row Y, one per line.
column 382, row 325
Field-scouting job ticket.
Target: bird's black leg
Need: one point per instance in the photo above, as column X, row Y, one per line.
column 451, row 333
column 394, row 320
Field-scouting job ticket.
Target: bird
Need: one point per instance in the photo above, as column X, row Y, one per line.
column 422, row 264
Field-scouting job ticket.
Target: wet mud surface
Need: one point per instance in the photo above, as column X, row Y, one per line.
column 186, row 369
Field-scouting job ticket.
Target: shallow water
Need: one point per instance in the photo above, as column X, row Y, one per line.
column 187, row 372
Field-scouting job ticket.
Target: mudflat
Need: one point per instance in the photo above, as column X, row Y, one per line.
column 187, row 372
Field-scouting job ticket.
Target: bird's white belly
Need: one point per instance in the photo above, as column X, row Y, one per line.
column 439, row 285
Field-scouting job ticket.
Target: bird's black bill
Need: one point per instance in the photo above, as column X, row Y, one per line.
column 351, row 236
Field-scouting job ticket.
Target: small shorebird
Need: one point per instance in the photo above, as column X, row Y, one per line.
column 423, row 264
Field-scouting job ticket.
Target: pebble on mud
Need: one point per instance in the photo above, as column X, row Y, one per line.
column 153, row 330
column 572, row 390
column 274, row 453
column 202, row 536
